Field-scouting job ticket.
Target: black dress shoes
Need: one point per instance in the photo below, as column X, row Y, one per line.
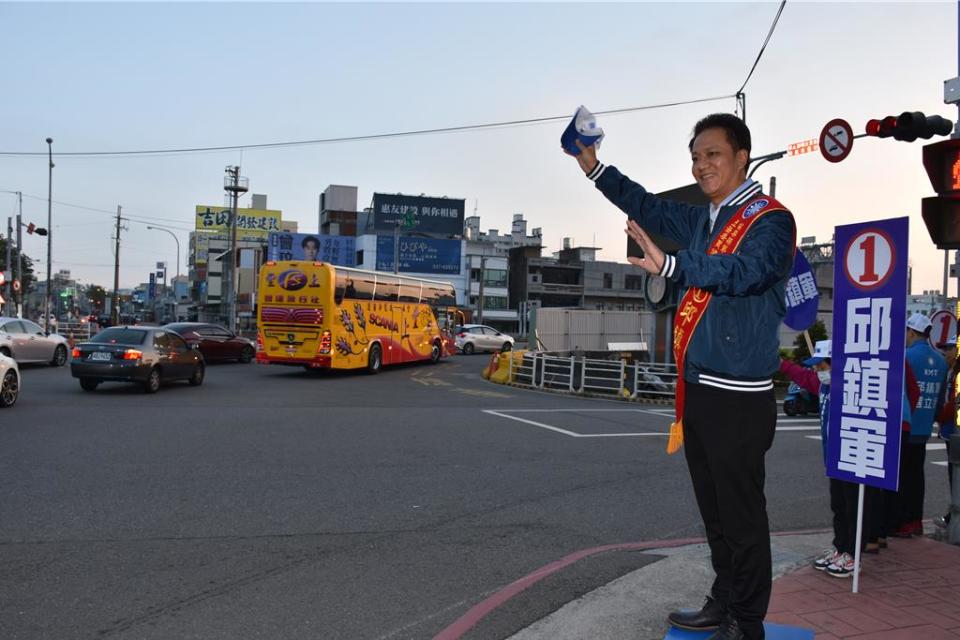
column 729, row 630
column 708, row 618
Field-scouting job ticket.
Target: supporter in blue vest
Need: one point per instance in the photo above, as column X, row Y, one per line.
column 930, row 369
column 948, row 415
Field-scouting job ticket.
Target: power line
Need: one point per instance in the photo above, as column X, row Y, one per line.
column 762, row 48
column 376, row 136
column 142, row 218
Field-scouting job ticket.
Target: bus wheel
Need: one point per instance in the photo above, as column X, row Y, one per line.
column 375, row 359
column 435, row 352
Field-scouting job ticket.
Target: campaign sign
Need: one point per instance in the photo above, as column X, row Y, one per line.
column 420, row 255
column 801, row 295
column 312, row 247
column 869, row 327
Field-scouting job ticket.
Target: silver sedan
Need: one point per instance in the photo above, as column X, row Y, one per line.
column 26, row 341
column 9, row 381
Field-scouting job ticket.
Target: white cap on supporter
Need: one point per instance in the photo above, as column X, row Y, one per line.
column 918, row 322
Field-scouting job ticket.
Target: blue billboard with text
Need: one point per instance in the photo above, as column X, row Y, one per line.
column 313, row 247
column 420, row 255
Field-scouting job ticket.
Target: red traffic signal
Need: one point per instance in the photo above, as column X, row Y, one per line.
column 909, row 126
column 941, row 213
column 31, row 228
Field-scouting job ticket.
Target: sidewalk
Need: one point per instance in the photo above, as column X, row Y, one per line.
column 907, row 591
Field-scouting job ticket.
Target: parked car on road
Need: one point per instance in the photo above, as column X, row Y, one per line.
column 480, row 337
column 9, row 381
column 216, row 343
column 27, row 342
column 148, row 356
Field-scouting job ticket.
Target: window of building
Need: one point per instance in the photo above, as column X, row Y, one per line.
column 495, row 278
column 633, row 282
column 494, row 302
column 474, row 275
column 608, row 281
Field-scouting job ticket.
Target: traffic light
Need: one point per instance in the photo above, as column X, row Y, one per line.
column 909, row 126
column 941, row 213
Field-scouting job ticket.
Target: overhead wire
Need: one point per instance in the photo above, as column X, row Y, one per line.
column 763, row 48
column 360, row 138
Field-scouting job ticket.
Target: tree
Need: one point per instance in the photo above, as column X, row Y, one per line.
column 817, row 332
column 97, row 295
column 27, row 281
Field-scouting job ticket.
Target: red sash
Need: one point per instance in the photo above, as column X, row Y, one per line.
column 694, row 302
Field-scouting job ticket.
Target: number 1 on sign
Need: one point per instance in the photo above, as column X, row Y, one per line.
column 869, row 246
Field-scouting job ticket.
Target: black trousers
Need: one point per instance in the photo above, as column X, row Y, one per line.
column 844, row 500
column 726, row 436
column 912, row 458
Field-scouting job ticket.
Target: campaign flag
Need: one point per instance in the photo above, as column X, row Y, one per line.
column 801, row 295
column 869, row 327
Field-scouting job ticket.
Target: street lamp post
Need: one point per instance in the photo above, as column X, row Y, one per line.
column 46, row 297
column 176, row 239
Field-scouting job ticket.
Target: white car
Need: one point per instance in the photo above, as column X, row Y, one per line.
column 480, row 337
column 9, row 381
column 26, row 341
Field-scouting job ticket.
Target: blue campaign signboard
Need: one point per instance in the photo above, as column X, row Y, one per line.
column 801, row 295
column 869, row 326
column 420, row 255
column 338, row 250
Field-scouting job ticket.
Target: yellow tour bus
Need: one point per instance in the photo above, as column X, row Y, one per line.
column 321, row 316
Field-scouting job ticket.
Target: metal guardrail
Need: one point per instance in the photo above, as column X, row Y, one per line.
column 592, row 376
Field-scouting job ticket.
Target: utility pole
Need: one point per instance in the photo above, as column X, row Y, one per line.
column 483, row 269
column 23, row 285
column 396, row 246
column 48, row 293
column 115, row 311
column 235, row 185
column 9, row 266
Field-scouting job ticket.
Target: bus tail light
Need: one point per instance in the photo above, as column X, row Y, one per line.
column 259, row 341
column 325, row 343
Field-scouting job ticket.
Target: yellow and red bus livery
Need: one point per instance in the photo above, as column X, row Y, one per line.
column 319, row 315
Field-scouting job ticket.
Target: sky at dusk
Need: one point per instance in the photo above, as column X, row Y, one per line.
column 133, row 76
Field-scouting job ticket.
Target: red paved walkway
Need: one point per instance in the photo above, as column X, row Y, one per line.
column 910, row 591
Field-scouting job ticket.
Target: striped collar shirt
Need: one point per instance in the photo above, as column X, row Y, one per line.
column 741, row 194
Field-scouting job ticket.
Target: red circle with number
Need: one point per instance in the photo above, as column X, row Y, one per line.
column 869, row 259
column 16, row 285
column 943, row 327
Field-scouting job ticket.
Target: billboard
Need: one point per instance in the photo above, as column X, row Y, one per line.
column 420, row 255
column 253, row 225
column 339, row 250
column 430, row 215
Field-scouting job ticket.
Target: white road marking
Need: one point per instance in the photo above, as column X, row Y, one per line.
column 572, row 434
column 505, row 413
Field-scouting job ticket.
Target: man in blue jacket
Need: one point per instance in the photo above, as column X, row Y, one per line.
column 930, row 369
column 734, row 261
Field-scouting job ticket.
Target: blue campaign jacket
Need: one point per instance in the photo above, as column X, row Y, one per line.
column 931, row 371
column 737, row 339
